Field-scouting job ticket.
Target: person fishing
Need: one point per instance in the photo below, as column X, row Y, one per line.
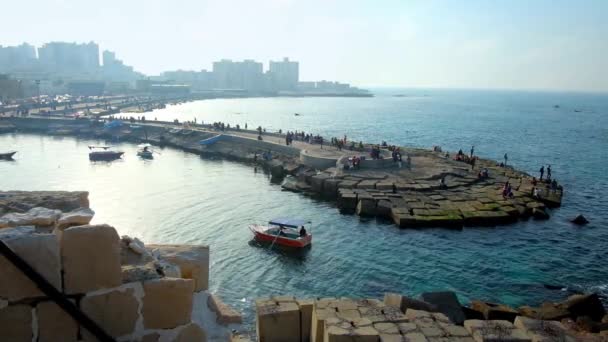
column 302, row 231
column 542, row 172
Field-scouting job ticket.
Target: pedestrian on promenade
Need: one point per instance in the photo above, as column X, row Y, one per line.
column 542, row 172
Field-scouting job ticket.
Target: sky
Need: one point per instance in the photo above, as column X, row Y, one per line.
column 507, row 44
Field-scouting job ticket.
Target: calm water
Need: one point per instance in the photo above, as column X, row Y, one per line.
column 181, row 198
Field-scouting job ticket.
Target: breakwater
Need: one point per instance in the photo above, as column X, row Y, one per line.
column 431, row 191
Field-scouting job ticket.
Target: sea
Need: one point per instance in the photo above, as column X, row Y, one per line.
column 180, row 197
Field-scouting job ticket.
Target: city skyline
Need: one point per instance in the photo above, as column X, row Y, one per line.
column 473, row 44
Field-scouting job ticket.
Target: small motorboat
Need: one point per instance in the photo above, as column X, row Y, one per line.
column 7, row 155
column 145, row 152
column 105, row 155
column 283, row 231
column 296, row 114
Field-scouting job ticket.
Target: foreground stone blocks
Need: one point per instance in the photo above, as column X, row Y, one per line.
column 496, row 330
column 116, row 311
column 493, row 311
column 225, row 314
column 40, row 251
column 91, row 258
column 54, row 324
column 191, row 333
column 193, row 261
column 543, row 331
column 16, row 323
column 78, row 217
column 277, row 321
column 167, row 302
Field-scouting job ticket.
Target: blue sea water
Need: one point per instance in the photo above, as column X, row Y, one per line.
column 181, row 198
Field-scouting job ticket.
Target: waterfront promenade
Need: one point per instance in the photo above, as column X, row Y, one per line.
column 433, row 190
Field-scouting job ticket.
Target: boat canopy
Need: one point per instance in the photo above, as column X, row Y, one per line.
column 287, row 222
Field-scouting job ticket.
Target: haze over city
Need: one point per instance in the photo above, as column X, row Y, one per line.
column 559, row 45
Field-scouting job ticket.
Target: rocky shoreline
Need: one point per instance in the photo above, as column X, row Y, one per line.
column 411, row 197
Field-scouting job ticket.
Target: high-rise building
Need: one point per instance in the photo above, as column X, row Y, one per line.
column 285, row 74
column 70, row 57
column 17, row 57
column 247, row 75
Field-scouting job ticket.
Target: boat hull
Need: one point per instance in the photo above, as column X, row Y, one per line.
column 105, row 156
column 260, row 234
column 7, row 156
column 145, row 155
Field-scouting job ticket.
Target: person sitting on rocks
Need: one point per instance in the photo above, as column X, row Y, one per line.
column 442, row 184
column 535, row 192
column 485, row 173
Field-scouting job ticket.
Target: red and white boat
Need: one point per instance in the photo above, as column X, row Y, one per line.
column 284, row 232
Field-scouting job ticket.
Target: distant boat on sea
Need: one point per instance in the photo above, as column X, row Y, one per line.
column 105, row 155
column 7, row 155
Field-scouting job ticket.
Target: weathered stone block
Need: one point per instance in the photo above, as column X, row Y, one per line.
column 492, row 311
column 36, row 217
column 447, row 303
column 16, row 323
column 91, row 258
column 54, row 324
column 347, row 201
column 367, row 184
column 78, row 217
column 193, row 261
column 225, row 314
column 167, row 302
column 191, row 333
column 366, row 206
column 278, row 322
column 319, row 316
column 330, row 187
column 490, row 331
column 306, row 307
column 543, row 331
column 115, row 311
column 40, row 251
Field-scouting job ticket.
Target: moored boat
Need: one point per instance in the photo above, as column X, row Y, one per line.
column 7, row 155
column 283, row 231
column 105, row 155
column 145, row 152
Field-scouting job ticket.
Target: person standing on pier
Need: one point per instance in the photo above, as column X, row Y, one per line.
column 472, row 150
column 542, row 172
column 506, row 158
column 548, row 171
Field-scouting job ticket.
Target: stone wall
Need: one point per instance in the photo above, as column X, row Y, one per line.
column 132, row 291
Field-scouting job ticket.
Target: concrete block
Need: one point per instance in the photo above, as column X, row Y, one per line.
column 91, row 258
column 341, row 334
column 278, row 322
column 167, row 302
column 40, row 251
column 319, row 316
column 366, row 206
column 447, row 303
column 35, row 217
column 78, row 217
column 54, row 324
column 543, row 331
column 492, row 311
column 225, row 314
column 191, row 333
column 494, row 331
column 115, row 311
column 193, row 261
column 306, row 307
column 16, row 323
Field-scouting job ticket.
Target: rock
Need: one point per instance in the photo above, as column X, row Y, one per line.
column 492, row 311
column 404, row 303
column 151, row 337
column 585, row 305
column 347, row 201
column 54, row 324
column 447, row 303
column 16, row 323
column 34, row 217
column 550, row 311
column 78, row 217
column 470, row 313
column 116, row 311
column 40, row 251
column 193, row 261
column 91, row 258
column 65, row 201
column 191, row 333
column 580, row 220
column 225, row 314
column 132, row 273
column 585, row 323
column 540, row 214
column 167, row 303
column 384, row 208
column 306, row 307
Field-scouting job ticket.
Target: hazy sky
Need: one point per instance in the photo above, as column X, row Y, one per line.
column 546, row 44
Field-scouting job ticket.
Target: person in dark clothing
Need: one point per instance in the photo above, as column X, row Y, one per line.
column 548, row 171
column 302, row 232
column 542, row 172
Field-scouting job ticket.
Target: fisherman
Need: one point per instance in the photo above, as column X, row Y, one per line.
column 302, row 231
column 548, row 171
column 506, row 157
column 472, row 150
column 542, row 172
